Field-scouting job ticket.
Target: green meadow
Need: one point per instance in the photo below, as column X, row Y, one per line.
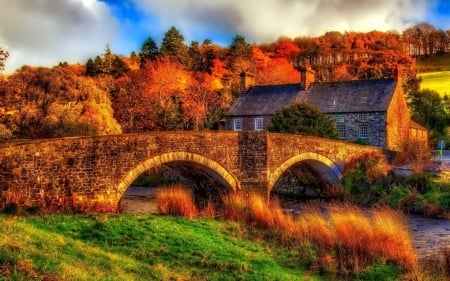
column 435, row 72
column 436, row 81
column 139, row 247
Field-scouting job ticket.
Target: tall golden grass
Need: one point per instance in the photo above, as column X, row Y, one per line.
column 176, row 200
column 347, row 239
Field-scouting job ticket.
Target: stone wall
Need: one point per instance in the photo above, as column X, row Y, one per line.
column 92, row 173
column 376, row 124
column 398, row 120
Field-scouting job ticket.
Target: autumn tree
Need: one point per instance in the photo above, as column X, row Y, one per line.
column 3, row 56
column 131, row 104
column 305, row 119
column 201, row 98
column 43, row 102
column 167, row 81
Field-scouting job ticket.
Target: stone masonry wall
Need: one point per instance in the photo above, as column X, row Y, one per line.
column 92, row 173
column 376, row 127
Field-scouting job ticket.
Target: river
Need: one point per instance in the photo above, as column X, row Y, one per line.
column 429, row 235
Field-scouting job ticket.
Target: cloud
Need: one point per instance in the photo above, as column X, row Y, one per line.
column 263, row 21
column 46, row 32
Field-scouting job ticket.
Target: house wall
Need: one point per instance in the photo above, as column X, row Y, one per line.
column 376, row 130
column 398, row 120
column 248, row 122
column 416, row 134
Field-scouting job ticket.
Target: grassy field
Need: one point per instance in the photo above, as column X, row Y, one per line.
column 436, row 81
column 138, row 247
column 435, row 72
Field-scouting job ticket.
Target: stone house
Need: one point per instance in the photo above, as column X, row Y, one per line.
column 374, row 111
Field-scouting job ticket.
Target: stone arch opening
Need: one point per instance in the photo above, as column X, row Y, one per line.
column 307, row 174
column 199, row 169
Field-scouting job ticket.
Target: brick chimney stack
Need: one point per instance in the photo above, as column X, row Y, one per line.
column 247, row 80
column 307, row 76
column 398, row 73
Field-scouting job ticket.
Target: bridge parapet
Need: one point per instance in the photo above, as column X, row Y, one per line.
column 92, row 173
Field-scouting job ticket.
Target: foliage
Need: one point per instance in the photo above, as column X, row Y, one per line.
column 149, row 51
column 301, row 118
column 364, row 177
column 415, row 154
column 427, row 108
column 174, row 47
column 42, row 102
column 107, row 64
column 3, row 56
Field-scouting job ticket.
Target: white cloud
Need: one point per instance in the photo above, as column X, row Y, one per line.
column 266, row 20
column 46, row 32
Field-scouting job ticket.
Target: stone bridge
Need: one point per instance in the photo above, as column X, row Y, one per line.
column 92, row 173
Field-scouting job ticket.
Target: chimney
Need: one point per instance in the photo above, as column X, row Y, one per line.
column 307, row 76
column 247, row 80
column 242, row 85
column 398, row 73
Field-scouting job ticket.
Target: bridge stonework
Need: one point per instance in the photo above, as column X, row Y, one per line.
column 92, row 173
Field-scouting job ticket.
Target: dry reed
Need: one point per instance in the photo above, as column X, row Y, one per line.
column 176, row 200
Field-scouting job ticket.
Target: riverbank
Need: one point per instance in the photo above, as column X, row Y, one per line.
column 429, row 235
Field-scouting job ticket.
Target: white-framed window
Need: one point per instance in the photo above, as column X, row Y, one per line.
column 259, row 123
column 340, row 118
column 363, row 117
column 341, row 131
column 363, row 132
column 237, row 124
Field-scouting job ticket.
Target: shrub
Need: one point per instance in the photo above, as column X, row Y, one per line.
column 391, row 238
column 176, row 200
column 234, row 207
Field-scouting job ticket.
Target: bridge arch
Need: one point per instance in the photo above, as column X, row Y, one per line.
column 221, row 173
column 322, row 164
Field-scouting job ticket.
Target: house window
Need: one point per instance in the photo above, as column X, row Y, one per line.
column 363, row 117
column 341, row 131
column 237, row 124
column 363, row 132
column 340, row 118
column 259, row 124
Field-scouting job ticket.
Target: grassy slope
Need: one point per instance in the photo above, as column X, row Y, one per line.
column 137, row 247
column 435, row 73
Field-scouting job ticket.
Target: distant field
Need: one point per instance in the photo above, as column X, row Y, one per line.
column 434, row 63
column 435, row 72
column 436, row 81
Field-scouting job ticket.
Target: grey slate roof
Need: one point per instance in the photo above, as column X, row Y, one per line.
column 330, row 97
column 350, row 96
column 264, row 100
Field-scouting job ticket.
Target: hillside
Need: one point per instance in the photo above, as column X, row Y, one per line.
column 435, row 72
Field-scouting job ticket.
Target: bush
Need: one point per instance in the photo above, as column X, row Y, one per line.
column 176, row 200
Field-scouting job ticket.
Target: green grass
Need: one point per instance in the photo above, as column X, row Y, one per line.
column 436, row 81
column 138, row 247
column 435, row 72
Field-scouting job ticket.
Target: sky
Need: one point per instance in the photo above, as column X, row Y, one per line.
column 46, row 32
